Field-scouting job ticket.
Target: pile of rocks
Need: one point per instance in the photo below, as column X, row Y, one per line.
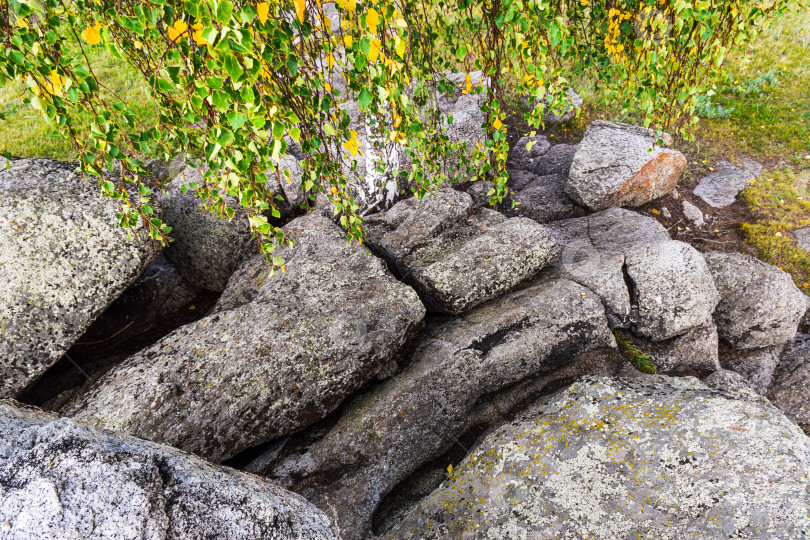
column 456, row 335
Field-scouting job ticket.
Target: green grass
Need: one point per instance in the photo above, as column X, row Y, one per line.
column 640, row 360
column 781, row 203
column 23, row 133
column 762, row 107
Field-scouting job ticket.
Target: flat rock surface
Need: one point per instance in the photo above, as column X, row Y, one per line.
column 414, row 417
column 276, row 354
column 760, row 306
column 63, row 260
column 661, row 457
column 455, row 256
column 60, row 480
column 693, row 353
column 720, row 188
column 621, row 165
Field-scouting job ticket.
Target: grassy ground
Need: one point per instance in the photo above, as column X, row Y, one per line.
column 23, row 133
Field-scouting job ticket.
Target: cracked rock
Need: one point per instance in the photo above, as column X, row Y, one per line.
column 276, row 353
column 63, row 260
column 657, row 286
column 414, row 417
column 60, row 479
column 621, row 165
column 661, row 457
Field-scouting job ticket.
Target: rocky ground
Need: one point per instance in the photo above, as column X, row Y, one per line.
column 457, row 376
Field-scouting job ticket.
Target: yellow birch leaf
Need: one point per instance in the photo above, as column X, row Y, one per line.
column 399, row 46
column 349, row 5
column 197, row 35
column 347, row 41
column 468, row 85
column 177, row 30
column 299, row 9
column 497, row 124
column 352, row 145
column 372, row 20
column 374, row 50
column 92, row 34
column 262, row 10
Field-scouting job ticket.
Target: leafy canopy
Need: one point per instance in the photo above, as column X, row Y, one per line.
column 237, row 82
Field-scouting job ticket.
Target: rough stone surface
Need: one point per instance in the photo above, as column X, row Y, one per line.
column 693, row 214
column 661, row 457
column 276, row 354
column 672, row 288
column 760, row 306
column 414, row 417
column 556, row 160
column 63, row 260
column 206, row 249
column 657, row 286
column 803, row 238
column 60, row 480
column 692, row 353
column 493, row 412
column 457, row 258
column 756, row 366
column 620, row 165
column 791, row 385
column 541, row 198
column 521, row 158
column 721, row 187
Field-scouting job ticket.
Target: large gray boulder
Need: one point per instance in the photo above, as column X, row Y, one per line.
column 791, row 385
column 659, row 457
column 659, row 287
column 416, row 416
column 541, row 198
column 720, row 188
column 760, row 305
column 60, row 479
column 276, row 354
column 63, row 260
column 206, row 249
column 456, row 256
column 621, row 165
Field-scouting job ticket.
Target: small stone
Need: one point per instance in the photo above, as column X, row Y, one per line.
column 693, row 213
column 666, row 213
